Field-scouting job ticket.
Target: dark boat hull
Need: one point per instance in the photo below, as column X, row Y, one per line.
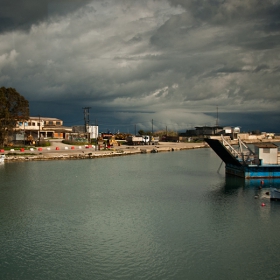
column 254, row 171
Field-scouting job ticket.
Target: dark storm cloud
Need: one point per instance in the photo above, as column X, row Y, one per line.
column 20, row 15
column 134, row 61
column 231, row 11
column 249, row 121
column 253, row 24
column 246, row 21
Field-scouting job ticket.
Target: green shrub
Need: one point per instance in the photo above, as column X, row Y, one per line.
column 68, row 142
column 43, row 143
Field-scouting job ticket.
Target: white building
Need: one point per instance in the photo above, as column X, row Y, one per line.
column 93, row 131
column 42, row 127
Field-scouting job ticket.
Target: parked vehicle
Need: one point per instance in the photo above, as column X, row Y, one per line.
column 112, row 141
column 142, row 140
column 135, row 140
column 146, row 139
column 154, row 140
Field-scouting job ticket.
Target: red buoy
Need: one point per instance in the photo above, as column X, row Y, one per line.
column 263, row 204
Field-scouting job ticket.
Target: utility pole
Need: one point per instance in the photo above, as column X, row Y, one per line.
column 39, row 129
column 86, row 118
column 24, row 133
column 152, row 126
column 217, row 120
column 96, row 135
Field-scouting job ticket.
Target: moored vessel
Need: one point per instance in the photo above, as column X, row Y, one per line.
column 274, row 194
column 2, row 158
column 241, row 161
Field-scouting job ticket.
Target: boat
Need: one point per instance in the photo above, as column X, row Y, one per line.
column 274, row 194
column 2, row 158
column 241, row 161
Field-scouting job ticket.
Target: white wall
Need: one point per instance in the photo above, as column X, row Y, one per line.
column 93, row 131
column 268, row 158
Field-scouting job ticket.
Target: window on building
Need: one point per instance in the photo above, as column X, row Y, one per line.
column 33, row 124
column 266, row 150
column 58, row 123
column 50, row 122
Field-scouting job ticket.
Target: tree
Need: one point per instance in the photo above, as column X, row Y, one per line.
column 13, row 107
column 141, row 132
column 161, row 133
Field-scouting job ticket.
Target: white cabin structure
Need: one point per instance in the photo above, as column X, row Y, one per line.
column 267, row 153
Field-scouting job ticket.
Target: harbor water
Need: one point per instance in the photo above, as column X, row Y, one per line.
column 147, row 216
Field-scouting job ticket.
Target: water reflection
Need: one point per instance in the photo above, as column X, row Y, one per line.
column 236, row 186
column 232, row 182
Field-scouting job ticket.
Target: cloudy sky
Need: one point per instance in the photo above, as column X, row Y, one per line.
column 151, row 63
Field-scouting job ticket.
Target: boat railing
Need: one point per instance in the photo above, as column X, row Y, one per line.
column 252, row 160
column 243, row 153
column 247, row 158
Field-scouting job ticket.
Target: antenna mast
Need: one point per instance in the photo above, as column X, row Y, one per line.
column 217, row 120
column 86, row 118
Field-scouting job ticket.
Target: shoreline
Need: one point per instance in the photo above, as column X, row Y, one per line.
column 61, row 151
column 91, row 153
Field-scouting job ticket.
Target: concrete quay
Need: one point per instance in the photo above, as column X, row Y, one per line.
column 61, row 151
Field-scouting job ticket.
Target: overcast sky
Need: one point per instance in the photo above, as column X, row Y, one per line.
column 168, row 62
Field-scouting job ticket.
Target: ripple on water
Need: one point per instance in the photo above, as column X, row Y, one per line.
column 138, row 217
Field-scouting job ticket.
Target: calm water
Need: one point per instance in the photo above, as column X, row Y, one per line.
column 150, row 216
